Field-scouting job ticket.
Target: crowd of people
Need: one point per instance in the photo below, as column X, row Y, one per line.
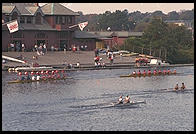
column 41, row 49
column 97, row 59
column 18, row 47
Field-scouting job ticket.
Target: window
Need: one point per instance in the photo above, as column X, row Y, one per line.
column 22, row 19
column 17, row 34
column 69, row 20
column 63, row 21
column 60, row 19
column 41, row 35
column 29, row 19
column 63, row 35
column 57, row 18
column 14, row 15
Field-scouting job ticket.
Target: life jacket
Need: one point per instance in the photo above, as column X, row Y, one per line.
column 139, row 73
column 155, row 72
column 159, row 71
column 149, row 72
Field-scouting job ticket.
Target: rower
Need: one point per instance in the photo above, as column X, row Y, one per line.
column 38, row 77
column 168, row 71
column 27, row 76
column 20, row 74
column 176, row 87
column 127, row 99
column 42, row 74
column 155, row 72
column 159, row 71
column 32, row 75
column 164, row 71
column 139, row 73
column 134, row 72
column 182, row 87
column 62, row 74
column 149, row 72
column 120, row 100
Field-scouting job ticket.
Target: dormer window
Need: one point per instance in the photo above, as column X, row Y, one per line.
column 14, row 15
column 22, row 19
column 29, row 20
column 38, row 18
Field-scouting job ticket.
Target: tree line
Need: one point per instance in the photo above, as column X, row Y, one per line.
column 134, row 21
column 170, row 42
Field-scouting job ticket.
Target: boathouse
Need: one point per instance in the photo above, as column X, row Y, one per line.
column 48, row 25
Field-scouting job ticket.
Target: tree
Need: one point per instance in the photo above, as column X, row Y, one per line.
column 173, row 15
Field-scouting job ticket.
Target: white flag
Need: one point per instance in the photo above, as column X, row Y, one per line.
column 13, row 26
column 82, row 25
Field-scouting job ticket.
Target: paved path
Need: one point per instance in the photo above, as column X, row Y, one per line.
column 60, row 57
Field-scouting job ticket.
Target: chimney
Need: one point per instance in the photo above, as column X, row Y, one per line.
column 37, row 4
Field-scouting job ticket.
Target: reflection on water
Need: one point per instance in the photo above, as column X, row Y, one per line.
column 82, row 103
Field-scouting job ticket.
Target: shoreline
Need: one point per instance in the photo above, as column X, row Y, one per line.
column 57, row 60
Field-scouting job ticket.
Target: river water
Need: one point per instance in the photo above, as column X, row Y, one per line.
column 78, row 103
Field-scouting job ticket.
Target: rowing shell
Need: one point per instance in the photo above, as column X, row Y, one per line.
column 124, row 105
column 28, row 81
column 145, row 75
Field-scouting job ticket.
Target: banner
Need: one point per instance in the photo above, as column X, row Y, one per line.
column 82, row 25
column 13, row 26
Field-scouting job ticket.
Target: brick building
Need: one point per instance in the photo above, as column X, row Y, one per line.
column 47, row 24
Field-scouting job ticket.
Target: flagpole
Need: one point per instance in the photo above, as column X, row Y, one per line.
column 73, row 26
column 8, row 22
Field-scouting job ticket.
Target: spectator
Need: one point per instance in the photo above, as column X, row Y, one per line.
column 52, row 48
column 23, row 47
column 74, row 49
column 12, row 47
column 65, row 49
column 44, row 49
column 35, row 48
